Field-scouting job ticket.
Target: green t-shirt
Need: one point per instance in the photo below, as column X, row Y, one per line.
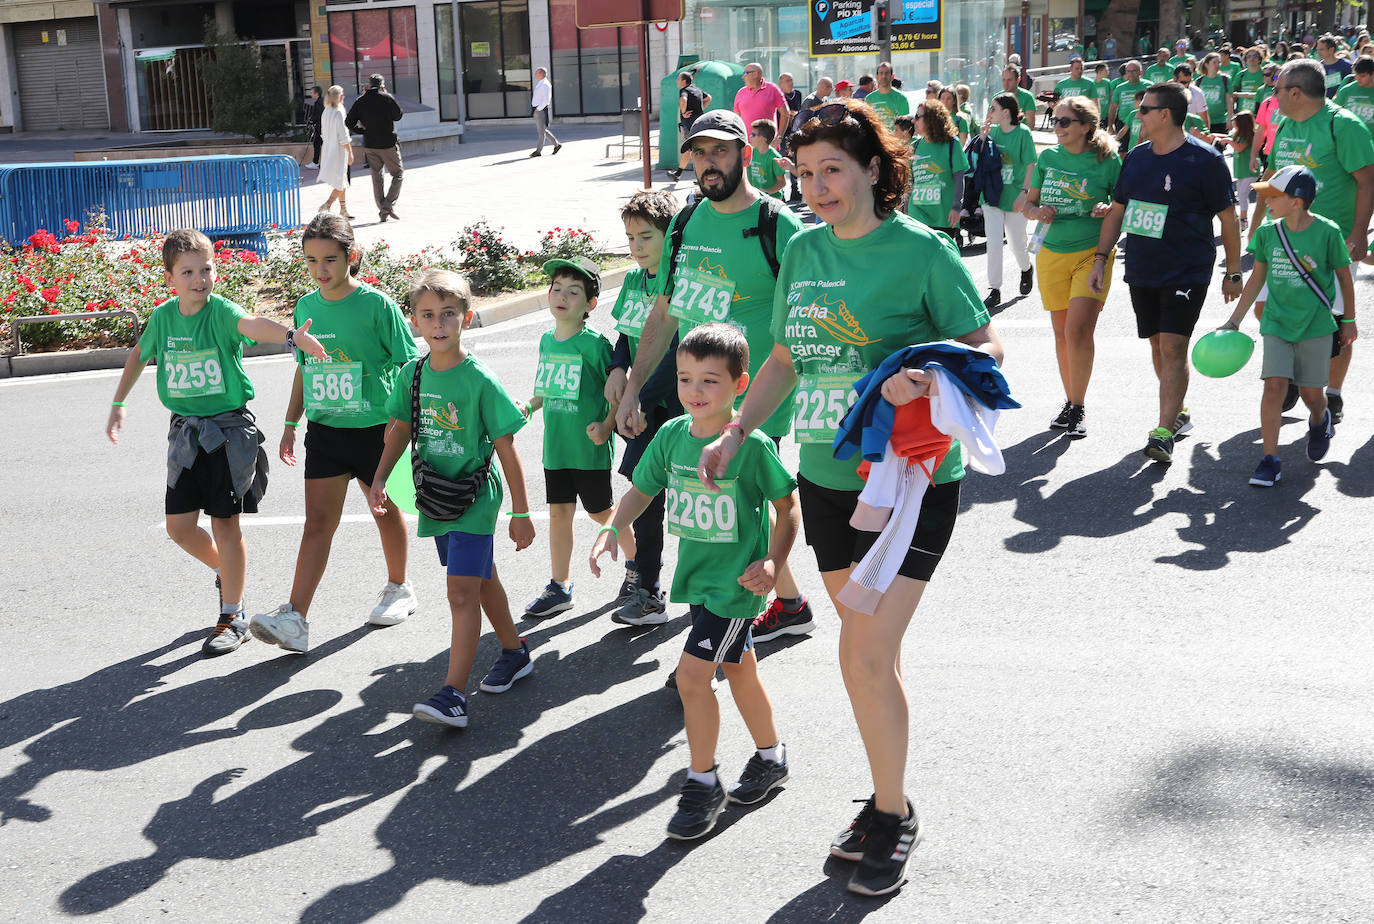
column 1333, row 143
column 1232, row 71
column 961, row 123
column 1159, row 73
column 637, row 295
column 1073, row 184
column 932, row 181
column 1358, row 100
column 1174, row 62
column 888, row 105
column 571, row 378
column 714, row 244
column 1018, row 152
column 1214, row 91
column 365, row 331
column 720, row 535
column 1250, row 82
column 1080, row 87
column 1124, row 97
column 765, row 171
column 463, row 410
column 1293, row 311
column 1026, row 100
column 1133, row 131
column 844, row 306
column 1240, row 164
column 199, row 357
column 1102, row 92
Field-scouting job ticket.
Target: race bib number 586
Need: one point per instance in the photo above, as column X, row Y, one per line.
column 333, row 386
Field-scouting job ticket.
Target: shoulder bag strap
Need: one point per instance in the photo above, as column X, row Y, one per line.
column 1302, row 270
column 675, row 233
column 415, row 405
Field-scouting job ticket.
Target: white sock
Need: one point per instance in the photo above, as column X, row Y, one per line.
column 229, row 608
column 775, row 753
column 707, row 779
column 1332, row 391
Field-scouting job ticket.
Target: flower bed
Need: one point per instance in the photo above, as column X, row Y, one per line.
column 85, row 270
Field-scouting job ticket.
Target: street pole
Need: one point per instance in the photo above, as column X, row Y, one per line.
column 644, row 91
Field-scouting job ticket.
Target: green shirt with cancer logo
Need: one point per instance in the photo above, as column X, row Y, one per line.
column 1018, row 152
column 1359, row 101
column 1102, row 92
column 633, row 304
column 720, row 534
column 728, row 279
column 1073, row 184
column 1080, row 87
column 888, row 105
column 199, row 357
column 1124, row 97
column 932, row 180
column 367, row 339
column 1333, row 143
column 844, row 306
column 1250, row 82
column 571, row 378
column 1159, row 73
column 1293, row 311
column 1214, row 91
column 765, row 171
column 463, row 410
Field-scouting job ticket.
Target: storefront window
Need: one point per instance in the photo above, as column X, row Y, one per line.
column 595, row 71
column 496, row 59
column 447, row 65
column 375, row 42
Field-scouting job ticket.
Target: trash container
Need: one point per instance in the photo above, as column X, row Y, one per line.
column 721, row 79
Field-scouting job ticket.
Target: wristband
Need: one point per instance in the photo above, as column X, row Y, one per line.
column 736, row 425
column 1346, row 320
column 291, row 423
column 290, row 340
column 512, row 513
column 119, row 404
column 608, row 528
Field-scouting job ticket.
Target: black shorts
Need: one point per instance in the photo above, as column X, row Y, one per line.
column 717, row 639
column 207, row 486
column 825, row 517
column 567, row 485
column 334, row 451
column 1167, row 310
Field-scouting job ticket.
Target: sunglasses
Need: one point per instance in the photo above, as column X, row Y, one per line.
column 1065, row 121
column 1146, row 110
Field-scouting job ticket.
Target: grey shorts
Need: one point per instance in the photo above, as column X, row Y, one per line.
column 1306, row 363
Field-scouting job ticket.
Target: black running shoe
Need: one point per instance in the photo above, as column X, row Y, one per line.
column 1061, row 422
column 1336, row 405
column 697, row 809
column 760, row 777
column 994, row 299
column 1076, row 429
column 849, row 843
column 887, row 851
column 1027, row 281
column 228, row 634
column 1290, row 398
column 1160, row 445
column 778, row 620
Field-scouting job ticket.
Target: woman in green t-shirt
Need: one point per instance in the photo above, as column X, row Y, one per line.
column 1216, row 89
column 938, row 165
column 1251, row 80
column 868, row 283
column 1013, row 139
column 1071, row 193
column 961, row 122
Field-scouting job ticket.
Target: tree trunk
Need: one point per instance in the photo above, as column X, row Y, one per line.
column 1170, row 23
column 1119, row 18
column 1201, row 19
column 1326, row 19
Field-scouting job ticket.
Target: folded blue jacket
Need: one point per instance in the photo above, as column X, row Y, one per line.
column 868, row 425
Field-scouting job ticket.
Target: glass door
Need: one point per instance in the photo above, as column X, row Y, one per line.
column 496, row 58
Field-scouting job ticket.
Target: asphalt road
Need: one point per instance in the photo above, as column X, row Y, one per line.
column 1138, row 693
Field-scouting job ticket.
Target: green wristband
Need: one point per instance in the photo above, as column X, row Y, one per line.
column 512, row 513
column 291, row 423
column 608, row 529
column 1347, row 320
column 119, row 404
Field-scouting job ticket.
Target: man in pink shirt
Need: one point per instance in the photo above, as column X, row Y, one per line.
column 760, row 99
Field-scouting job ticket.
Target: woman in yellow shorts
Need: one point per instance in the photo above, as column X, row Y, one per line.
column 1071, row 192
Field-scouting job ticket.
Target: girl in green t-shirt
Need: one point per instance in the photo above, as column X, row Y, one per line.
column 961, row 122
column 1013, row 139
column 1217, row 89
column 1243, row 167
column 938, row 165
column 1071, row 193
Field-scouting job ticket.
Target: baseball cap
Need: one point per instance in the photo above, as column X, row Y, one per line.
column 843, row 85
column 580, row 265
column 718, row 123
column 1293, row 180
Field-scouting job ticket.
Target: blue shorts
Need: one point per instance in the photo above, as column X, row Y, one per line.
column 717, row 639
column 466, row 554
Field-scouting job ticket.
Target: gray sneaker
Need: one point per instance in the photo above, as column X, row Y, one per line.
column 228, row 634
column 283, row 627
column 645, row 608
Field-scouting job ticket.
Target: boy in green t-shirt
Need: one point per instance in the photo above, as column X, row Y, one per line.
column 215, row 462
column 570, row 386
column 1297, row 321
column 767, row 168
column 464, row 417
column 1358, row 95
column 726, row 567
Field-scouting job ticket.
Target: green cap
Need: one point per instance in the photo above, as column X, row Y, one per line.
column 578, row 265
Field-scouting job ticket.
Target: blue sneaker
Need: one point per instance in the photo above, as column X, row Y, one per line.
column 551, row 602
column 513, row 664
column 1319, row 438
column 1267, row 472
column 447, row 707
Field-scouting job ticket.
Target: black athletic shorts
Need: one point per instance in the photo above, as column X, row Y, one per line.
column 717, row 639
column 1167, row 310
column 334, row 451
column 207, row 486
column 825, row 517
column 567, row 485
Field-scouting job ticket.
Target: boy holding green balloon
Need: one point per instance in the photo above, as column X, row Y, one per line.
column 465, row 417
column 1302, row 278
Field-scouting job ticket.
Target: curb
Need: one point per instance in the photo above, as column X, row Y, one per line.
column 506, row 309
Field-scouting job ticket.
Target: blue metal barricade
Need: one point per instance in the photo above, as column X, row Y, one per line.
column 224, row 196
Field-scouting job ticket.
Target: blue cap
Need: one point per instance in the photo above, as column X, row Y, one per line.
column 1293, row 180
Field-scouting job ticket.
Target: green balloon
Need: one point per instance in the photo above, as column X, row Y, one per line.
column 1220, row 353
column 400, row 485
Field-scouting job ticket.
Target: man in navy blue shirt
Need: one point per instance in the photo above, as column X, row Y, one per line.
column 1170, row 189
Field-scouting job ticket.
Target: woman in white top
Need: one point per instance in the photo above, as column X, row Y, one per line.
column 336, row 150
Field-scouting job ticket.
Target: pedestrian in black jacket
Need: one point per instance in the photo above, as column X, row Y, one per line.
column 313, row 120
column 375, row 114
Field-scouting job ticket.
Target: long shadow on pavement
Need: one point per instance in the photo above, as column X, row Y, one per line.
column 1356, row 478
column 116, row 726
column 830, row 901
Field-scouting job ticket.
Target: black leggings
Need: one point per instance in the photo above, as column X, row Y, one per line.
column 649, row 543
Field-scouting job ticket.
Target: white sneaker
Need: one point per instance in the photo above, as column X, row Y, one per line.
column 283, row 627
column 394, row 604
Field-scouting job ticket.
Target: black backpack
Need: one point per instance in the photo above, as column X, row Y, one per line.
column 766, row 231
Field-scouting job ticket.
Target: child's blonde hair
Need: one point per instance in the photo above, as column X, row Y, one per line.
column 441, row 282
